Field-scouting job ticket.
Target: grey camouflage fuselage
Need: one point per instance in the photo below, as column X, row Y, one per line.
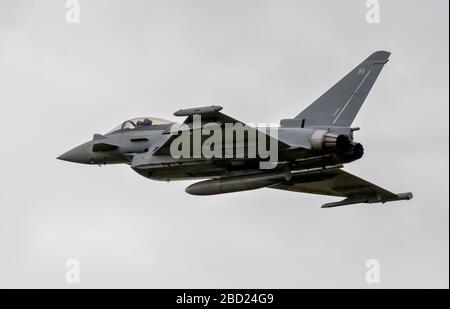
column 306, row 153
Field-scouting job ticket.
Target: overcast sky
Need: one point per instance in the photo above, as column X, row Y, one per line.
column 262, row 61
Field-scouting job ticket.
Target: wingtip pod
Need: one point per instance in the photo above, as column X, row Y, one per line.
column 403, row 197
column 367, row 200
column 198, row 110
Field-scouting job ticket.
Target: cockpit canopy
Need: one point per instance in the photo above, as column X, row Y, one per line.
column 141, row 122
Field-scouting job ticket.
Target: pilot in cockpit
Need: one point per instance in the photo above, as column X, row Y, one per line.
column 144, row 123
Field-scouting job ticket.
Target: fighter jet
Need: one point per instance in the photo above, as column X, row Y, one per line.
column 307, row 152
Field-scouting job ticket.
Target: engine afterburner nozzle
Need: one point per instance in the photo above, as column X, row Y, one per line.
column 322, row 140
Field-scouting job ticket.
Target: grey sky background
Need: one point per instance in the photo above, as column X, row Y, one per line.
column 262, row 61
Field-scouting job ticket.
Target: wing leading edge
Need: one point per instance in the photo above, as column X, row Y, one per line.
column 340, row 183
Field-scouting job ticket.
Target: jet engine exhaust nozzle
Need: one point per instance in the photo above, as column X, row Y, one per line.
column 322, row 140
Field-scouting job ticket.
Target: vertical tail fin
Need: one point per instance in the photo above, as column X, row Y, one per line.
column 340, row 104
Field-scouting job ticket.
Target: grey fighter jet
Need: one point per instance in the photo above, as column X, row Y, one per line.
column 307, row 152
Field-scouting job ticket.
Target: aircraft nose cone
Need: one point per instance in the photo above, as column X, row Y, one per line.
column 80, row 154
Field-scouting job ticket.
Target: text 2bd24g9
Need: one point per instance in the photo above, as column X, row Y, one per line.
column 226, row 298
